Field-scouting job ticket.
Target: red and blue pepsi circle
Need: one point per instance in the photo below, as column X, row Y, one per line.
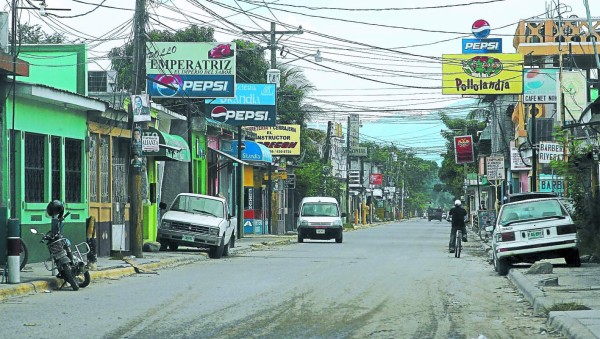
column 481, row 29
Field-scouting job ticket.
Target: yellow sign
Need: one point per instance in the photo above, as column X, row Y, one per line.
column 279, row 139
column 491, row 73
column 277, row 176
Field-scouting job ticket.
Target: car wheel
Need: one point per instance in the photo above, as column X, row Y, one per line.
column 501, row 266
column 173, row 246
column 340, row 238
column 163, row 245
column 226, row 247
column 232, row 241
column 573, row 259
column 300, row 238
column 216, row 252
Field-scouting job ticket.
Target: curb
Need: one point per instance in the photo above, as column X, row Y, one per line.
column 568, row 325
column 534, row 295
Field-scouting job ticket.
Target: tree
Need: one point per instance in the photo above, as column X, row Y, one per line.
column 33, row 34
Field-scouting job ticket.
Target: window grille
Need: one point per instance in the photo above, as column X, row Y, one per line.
column 73, row 149
column 34, row 167
column 120, row 170
column 94, row 169
column 105, row 168
column 55, row 154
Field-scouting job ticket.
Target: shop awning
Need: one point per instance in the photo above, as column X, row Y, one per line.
column 232, row 158
column 252, row 152
column 164, row 146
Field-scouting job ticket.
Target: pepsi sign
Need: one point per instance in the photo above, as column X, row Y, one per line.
column 481, row 29
column 243, row 115
column 478, row 46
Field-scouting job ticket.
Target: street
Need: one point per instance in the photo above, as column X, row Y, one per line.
column 396, row 280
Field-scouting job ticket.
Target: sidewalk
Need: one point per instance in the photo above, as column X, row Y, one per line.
column 573, row 306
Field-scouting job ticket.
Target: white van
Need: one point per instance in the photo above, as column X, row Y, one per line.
column 320, row 218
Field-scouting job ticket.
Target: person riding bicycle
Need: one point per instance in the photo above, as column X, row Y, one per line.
column 458, row 215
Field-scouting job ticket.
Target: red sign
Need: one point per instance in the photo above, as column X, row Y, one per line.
column 376, row 179
column 463, row 146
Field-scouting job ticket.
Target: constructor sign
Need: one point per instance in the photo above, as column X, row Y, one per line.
column 279, row 139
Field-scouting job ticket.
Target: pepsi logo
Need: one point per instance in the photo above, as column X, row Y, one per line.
column 481, row 29
column 218, row 112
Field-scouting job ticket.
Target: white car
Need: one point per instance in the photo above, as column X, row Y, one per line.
column 198, row 220
column 320, row 218
column 531, row 230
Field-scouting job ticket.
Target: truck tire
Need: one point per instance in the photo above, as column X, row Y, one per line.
column 226, row 247
column 216, row 252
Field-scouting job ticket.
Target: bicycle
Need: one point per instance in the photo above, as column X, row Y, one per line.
column 458, row 244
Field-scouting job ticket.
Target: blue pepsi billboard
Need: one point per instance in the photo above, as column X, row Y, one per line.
column 479, row 46
column 253, row 105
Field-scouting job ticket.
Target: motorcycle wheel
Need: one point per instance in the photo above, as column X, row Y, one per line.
column 67, row 275
column 83, row 279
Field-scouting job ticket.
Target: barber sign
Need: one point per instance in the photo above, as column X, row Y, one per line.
column 478, row 46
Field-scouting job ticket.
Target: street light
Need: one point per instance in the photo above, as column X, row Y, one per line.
column 318, row 57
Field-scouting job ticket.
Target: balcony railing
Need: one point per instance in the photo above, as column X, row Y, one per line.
column 572, row 29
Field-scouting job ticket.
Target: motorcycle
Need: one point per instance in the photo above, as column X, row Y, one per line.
column 71, row 267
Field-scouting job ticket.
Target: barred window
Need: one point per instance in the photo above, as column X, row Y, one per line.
column 73, row 168
column 105, row 168
column 34, row 167
column 94, row 170
column 120, row 168
column 55, row 154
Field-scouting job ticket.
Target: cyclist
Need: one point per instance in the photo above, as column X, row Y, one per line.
column 458, row 215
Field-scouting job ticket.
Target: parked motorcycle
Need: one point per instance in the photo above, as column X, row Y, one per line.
column 71, row 267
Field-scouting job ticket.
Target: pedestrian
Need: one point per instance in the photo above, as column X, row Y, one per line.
column 458, row 215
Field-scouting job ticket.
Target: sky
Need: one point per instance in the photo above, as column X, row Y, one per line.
column 395, row 90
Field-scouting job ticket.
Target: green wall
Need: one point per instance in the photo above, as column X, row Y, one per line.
column 60, row 66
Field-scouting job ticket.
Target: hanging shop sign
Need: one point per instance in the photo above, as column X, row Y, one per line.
column 279, row 139
column 376, row 179
column 495, row 168
column 191, row 69
column 492, row 73
column 552, row 183
column 463, row 146
column 540, row 86
column 517, row 159
column 550, row 151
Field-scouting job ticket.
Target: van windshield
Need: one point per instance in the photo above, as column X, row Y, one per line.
column 320, row 209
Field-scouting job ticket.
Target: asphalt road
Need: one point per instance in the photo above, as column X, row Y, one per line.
column 391, row 281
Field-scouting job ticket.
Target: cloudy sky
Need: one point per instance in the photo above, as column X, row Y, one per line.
column 380, row 58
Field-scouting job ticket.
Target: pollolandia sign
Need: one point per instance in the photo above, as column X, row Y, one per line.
column 253, row 105
column 191, row 69
column 463, row 146
column 279, row 139
column 492, row 73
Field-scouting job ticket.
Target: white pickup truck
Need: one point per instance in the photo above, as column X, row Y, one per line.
column 198, row 220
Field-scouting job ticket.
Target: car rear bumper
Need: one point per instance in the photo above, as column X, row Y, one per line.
column 178, row 237
column 536, row 249
column 315, row 232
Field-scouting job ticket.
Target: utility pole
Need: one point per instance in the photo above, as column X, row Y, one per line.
column 533, row 187
column 348, row 173
column 273, row 47
column 135, row 169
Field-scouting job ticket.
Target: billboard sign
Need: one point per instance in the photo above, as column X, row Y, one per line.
column 376, row 179
column 574, row 84
column 492, row 73
column 279, row 139
column 552, row 183
column 353, row 130
column 191, row 69
column 463, row 146
column 253, row 105
column 540, row 86
column 477, row 46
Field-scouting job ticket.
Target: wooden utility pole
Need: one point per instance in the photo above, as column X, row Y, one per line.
column 135, row 168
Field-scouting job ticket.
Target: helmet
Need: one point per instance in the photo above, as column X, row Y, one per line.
column 55, row 208
column 456, row 202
